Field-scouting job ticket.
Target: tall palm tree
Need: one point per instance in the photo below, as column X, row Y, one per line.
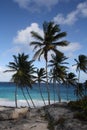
column 41, row 76
column 22, row 76
column 79, row 91
column 70, row 80
column 85, row 88
column 81, row 64
column 53, row 78
column 48, row 42
column 59, row 70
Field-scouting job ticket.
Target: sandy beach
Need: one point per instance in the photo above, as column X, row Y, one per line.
column 40, row 118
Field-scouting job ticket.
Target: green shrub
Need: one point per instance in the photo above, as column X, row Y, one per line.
column 60, row 122
column 50, row 125
column 81, row 116
column 81, row 106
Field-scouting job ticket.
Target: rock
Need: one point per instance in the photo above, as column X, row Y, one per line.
column 19, row 112
column 57, row 113
column 13, row 113
column 61, row 118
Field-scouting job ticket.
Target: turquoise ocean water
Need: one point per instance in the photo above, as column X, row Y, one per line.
column 7, row 94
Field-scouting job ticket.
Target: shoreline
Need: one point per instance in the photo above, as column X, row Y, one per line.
column 22, row 103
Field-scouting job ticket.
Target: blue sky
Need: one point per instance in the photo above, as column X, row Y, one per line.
column 19, row 17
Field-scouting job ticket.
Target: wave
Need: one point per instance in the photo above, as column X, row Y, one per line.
column 22, row 103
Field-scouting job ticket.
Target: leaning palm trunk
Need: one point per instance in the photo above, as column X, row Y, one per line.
column 67, row 92
column 25, row 97
column 78, row 85
column 47, row 84
column 58, row 92
column 79, row 76
column 16, row 96
column 41, row 94
column 54, row 90
column 30, row 97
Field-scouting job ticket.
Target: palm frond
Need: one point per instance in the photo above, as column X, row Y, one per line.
column 60, row 35
column 37, row 36
column 61, row 43
column 37, row 54
column 36, row 44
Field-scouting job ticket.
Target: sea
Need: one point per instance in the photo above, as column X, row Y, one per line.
column 7, row 94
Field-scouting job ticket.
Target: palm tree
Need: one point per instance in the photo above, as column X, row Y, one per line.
column 41, row 76
column 53, row 78
column 79, row 91
column 85, row 88
column 22, row 76
column 59, row 70
column 81, row 64
column 48, row 42
column 70, row 80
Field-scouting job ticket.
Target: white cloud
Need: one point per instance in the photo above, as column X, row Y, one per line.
column 70, row 50
column 82, row 76
column 35, row 5
column 71, row 47
column 24, row 35
column 73, row 68
column 4, row 76
column 24, row 38
column 82, row 7
column 72, row 17
column 22, row 3
column 69, row 19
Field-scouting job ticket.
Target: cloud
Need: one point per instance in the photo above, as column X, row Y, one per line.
column 72, row 17
column 71, row 47
column 4, row 76
column 82, row 8
column 69, row 19
column 24, row 35
column 36, row 5
column 83, row 75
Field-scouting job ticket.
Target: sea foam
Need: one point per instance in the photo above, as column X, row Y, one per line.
column 23, row 103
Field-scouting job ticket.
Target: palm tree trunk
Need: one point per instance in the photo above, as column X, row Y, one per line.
column 25, row 97
column 58, row 90
column 47, row 85
column 41, row 95
column 54, row 91
column 67, row 93
column 79, row 76
column 16, row 96
column 30, row 97
column 78, row 85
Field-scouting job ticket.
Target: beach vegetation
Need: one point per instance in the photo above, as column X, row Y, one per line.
column 80, row 107
column 23, row 73
column 81, row 65
column 61, row 122
column 48, row 42
column 58, row 71
column 40, row 77
column 85, row 88
column 71, row 80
